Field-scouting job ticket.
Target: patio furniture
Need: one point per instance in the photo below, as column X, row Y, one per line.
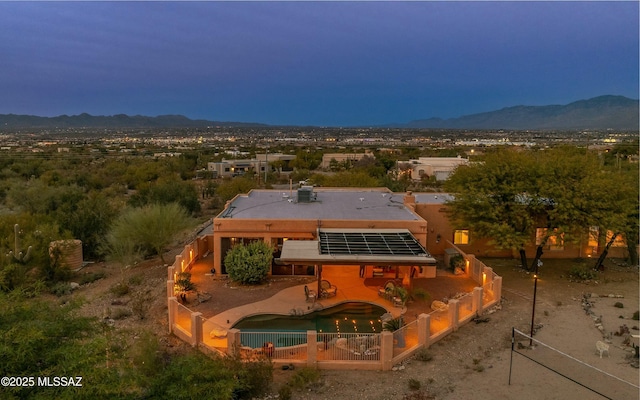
column 327, row 289
column 438, row 305
column 310, row 295
column 388, row 290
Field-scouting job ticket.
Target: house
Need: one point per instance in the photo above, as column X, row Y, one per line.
column 360, row 217
column 432, row 208
column 438, row 167
column 229, row 168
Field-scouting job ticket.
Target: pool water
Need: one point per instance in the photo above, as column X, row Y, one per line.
column 353, row 317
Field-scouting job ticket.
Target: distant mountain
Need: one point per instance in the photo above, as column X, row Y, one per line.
column 604, row 112
column 13, row 121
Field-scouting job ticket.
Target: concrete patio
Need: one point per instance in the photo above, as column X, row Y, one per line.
column 351, row 288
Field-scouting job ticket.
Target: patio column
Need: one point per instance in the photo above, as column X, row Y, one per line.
column 470, row 263
column 477, row 300
column 454, row 313
column 386, row 350
column 424, row 322
column 318, row 289
column 312, row 348
column 172, row 303
column 196, row 328
column 233, row 340
column 497, row 288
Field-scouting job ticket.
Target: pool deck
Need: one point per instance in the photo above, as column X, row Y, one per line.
column 291, row 300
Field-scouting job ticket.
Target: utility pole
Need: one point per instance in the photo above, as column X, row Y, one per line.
column 266, row 164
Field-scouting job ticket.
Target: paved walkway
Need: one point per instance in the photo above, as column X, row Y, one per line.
column 292, row 300
column 351, row 288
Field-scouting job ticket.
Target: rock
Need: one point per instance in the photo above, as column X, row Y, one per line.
column 74, row 285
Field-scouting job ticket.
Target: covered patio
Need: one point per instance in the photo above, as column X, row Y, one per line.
column 371, row 250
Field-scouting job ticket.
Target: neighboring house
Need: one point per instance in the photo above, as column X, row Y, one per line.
column 438, row 167
column 230, row 168
column 432, row 207
column 307, row 213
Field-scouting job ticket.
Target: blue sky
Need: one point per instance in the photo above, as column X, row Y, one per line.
column 316, row 63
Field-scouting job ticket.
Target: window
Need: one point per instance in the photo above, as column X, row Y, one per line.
column 551, row 242
column 594, row 234
column 461, row 236
column 618, row 242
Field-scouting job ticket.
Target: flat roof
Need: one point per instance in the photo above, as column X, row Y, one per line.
column 432, row 198
column 351, row 249
column 327, row 204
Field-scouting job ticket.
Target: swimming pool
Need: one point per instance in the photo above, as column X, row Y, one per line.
column 351, row 317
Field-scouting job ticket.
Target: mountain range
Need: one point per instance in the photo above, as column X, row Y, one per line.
column 603, row 112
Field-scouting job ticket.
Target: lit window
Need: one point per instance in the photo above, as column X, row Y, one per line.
column 594, row 234
column 461, row 236
column 552, row 242
column 618, row 242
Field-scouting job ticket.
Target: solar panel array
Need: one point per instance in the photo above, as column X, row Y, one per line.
column 370, row 243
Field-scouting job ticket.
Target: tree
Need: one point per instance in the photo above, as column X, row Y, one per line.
column 488, row 199
column 165, row 191
column 509, row 194
column 249, row 263
column 90, row 223
column 228, row 189
column 148, row 230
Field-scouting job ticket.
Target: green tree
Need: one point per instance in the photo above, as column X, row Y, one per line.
column 167, row 190
column 148, row 230
column 228, row 189
column 90, row 222
column 249, row 263
column 509, row 194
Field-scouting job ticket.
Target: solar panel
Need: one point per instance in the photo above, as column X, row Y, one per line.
column 370, row 243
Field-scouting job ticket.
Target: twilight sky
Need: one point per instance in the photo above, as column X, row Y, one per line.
column 316, row 63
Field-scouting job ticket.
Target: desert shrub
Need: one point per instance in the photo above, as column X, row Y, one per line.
column 61, row 289
column 636, row 315
column 90, row 277
column 618, row 305
column 456, row 261
column 249, row 264
column 141, row 303
column 136, row 280
column 304, row 377
column 393, row 325
column 120, row 289
column 414, row 384
column 582, row 274
column 424, row 355
column 284, row 393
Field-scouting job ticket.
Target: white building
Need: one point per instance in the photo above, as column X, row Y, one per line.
column 229, row 168
column 440, row 167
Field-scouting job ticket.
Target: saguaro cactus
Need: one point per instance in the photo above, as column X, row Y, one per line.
column 18, row 254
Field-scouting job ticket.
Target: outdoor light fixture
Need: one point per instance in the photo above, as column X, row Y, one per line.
column 535, row 290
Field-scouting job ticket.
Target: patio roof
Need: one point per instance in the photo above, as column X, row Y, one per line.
column 357, row 247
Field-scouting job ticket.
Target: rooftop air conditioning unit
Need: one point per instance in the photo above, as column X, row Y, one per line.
column 305, row 194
